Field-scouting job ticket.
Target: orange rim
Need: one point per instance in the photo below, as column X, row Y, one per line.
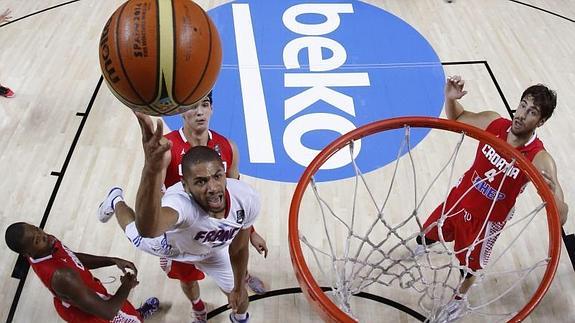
column 331, row 312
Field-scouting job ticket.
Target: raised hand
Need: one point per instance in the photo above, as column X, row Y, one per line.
column 156, row 147
column 259, row 244
column 454, row 88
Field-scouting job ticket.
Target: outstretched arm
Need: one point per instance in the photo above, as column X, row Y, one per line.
column 455, row 111
column 546, row 165
column 69, row 287
column 151, row 219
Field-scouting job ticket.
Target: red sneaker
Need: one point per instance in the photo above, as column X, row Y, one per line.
column 6, row 92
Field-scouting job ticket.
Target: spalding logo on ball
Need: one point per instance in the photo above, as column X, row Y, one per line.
column 159, row 57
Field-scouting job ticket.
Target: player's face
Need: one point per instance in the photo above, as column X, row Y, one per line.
column 207, row 185
column 38, row 243
column 198, row 117
column 527, row 117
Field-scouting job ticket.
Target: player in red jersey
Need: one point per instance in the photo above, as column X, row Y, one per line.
column 468, row 215
column 195, row 132
column 78, row 296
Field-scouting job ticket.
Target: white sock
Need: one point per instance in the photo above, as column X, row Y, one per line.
column 116, row 200
column 239, row 316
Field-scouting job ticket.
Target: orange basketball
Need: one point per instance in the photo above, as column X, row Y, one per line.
column 160, row 57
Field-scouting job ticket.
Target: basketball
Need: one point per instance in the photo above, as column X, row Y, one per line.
column 160, row 57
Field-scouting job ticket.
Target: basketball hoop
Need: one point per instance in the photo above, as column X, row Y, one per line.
column 336, row 308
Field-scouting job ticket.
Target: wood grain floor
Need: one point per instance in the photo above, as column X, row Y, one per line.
column 50, row 60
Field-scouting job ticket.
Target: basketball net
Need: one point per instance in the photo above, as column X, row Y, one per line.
column 368, row 244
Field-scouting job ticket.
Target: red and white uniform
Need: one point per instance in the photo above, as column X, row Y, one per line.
column 180, row 146
column 62, row 257
column 199, row 239
column 466, row 218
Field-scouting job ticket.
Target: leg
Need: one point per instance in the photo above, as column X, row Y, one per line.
column 188, row 275
column 219, row 268
column 124, row 214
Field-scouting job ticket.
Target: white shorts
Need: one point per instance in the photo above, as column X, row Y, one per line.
column 216, row 264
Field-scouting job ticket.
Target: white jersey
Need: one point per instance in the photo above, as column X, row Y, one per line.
column 196, row 234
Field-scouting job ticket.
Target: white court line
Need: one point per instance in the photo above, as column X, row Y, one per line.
column 256, row 118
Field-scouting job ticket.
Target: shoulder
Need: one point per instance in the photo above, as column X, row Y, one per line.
column 240, row 187
column 176, row 197
column 497, row 124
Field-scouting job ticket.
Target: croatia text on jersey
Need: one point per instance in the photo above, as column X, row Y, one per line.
column 499, row 162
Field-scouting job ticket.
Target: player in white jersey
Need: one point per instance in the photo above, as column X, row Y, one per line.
column 204, row 220
column 196, row 235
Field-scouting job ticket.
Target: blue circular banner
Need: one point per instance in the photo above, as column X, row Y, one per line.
column 296, row 75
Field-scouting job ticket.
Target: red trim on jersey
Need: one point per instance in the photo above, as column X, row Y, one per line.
column 61, row 258
column 180, row 146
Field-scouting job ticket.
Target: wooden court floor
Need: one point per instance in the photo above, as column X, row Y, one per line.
column 64, row 139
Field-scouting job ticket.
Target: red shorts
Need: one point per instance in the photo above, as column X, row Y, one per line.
column 181, row 271
column 464, row 228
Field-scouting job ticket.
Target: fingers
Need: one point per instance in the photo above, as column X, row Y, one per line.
column 456, row 80
column 133, row 267
column 146, row 125
column 159, row 130
column 264, row 250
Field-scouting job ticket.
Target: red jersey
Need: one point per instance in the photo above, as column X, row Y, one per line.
column 487, row 163
column 62, row 257
column 180, row 146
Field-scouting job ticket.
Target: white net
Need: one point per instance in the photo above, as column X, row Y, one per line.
column 360, row 235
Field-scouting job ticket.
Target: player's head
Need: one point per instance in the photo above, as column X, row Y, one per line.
column 537, row 105
column 198, row 117
column 29, row 240
column 204, row 178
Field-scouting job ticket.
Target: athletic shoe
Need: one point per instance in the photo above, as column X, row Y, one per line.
column 255, row 284
column 106, row 208
column 419, row 251
column 6, row 92
column 150, row 306
column 453, row 310
column 233, row 318
column 199, row 313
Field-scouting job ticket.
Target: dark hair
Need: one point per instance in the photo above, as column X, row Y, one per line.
column 209, row 97
column 197, row 155
column 543, row 97
column 13, row 236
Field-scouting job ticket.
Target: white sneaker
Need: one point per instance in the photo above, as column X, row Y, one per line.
column 419, row 251
column 453, row 310
column 106, row 208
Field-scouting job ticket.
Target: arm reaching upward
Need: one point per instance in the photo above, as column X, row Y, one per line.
column 455, row 111
column 151, row 219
